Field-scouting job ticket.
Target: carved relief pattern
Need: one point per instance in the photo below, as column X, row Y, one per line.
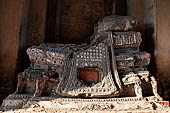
column 60, row 64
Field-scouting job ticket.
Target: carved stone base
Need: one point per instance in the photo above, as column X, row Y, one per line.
column 14, row 101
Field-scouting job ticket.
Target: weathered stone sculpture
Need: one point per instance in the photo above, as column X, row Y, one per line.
column 89, row 70
column 66, row 64
column 116, row 23
column 105, row 67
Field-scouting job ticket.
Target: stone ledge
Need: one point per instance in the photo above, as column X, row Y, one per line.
column 41, row 110
column 28, row 104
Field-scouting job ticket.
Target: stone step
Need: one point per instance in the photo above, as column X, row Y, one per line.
column 80, row 104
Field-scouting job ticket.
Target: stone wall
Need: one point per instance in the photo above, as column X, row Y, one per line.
column 32, row 32
column 72, row 21
column 136, row 8
column 36, row 22
column 10, row 19
column 153, row 17
column 163, row 44
column 79, row 17
column 22, row 24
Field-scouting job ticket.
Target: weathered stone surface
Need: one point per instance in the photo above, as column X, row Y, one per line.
column 64, row 61
column 151, row 15
column 9, row 40
column 137, row 10
column 126, row 39
column 52, row 104
column 163, row 45
column 72, row 21
column 70, row 84
column 115, row 23
column 87, row 70
column 36, row 22
column 81, row 14
column 131, row 60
